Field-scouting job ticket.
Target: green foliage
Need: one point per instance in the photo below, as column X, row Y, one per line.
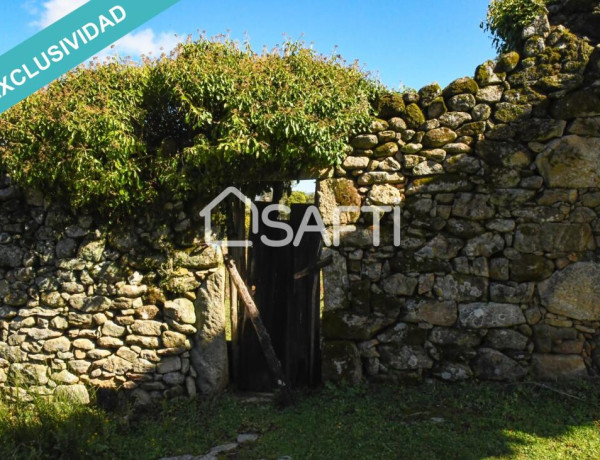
column 299, row 197
column 430, row 421
column 507, row 18
column 117, row 136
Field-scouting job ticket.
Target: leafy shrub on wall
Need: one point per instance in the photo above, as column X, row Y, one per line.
column 507, row 18
column 117, row 136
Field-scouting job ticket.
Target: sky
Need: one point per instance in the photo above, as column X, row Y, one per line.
column 406, row 43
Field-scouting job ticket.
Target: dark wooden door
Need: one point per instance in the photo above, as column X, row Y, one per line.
column 289, row 307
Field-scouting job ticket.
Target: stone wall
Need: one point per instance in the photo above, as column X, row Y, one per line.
column 498, row 273
column 497, row 276
column 140, row 308
column 582, row 17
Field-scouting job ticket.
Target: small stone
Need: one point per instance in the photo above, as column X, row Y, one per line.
column 508, row 62
column 573, row 292
column 145, row 327
column 432, row 312
column 428, row 168
column 439, row 137
column 117, row 365
column 353, row 162
column 399, row 284
column 385, row 195
column 170, row 364
column 453, row 372
column 75, row 394
column 111, row 329
column 489, row 315
column 181, row 310
column 397, row 124
column 556, row 367
column 84, row 344
column 490, row 94
column 55, row 345
column 147, row 312
column 507, row 112
column 462, row 102
column 386, row 150
column 464, row 85
column 490, row 364
column 405, row 357
column 66, row 248
column 173, row 339
column 506, row 339
column 365, row 141
column 65, row 377
column 571, row 162
column 244, row 438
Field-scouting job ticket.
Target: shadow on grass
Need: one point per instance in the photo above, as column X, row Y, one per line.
column 436, row 420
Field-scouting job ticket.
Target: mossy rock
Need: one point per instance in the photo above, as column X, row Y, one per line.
column 465, row 85
column 583, row 103
column 507, row 113
column 391, row 105
column 429, row 93
column 524, row 95
column 439, row 184
column 386, row 150
column 439, row 137
column 485, row 74
column 437, row 108
column 508, row 62
column 472, row 129
column 414, row 116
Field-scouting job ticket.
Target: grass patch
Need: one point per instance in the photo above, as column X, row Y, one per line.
column 431, row 421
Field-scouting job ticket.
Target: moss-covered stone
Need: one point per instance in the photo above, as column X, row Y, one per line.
column 523, row 95
column 439, row 137
column 386, row 150
column 429, row 93
column 508, row 62
column 507, row 112
column 439, row 184
column 472, row 129
column 414, row 116
column 378, row 125
column 583, row 103
column 485, row 74
column 465, row 85
column 437, row 108
column 338, row 192
column 391, row 105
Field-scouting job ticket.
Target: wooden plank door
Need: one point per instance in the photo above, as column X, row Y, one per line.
column 289, row 308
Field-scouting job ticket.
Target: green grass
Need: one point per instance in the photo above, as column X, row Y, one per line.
column 431, row 421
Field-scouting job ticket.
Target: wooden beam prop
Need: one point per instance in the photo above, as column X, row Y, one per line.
column 320, row 264
column 263, row 336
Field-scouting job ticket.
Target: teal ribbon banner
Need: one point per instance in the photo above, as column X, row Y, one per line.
column 68, row 42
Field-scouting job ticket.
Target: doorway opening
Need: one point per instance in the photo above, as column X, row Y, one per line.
column 285, row 283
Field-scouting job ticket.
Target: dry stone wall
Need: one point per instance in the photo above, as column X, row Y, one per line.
column 498, row 273
column 140, row 308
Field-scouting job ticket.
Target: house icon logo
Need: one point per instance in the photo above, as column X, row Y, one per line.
column 312, row 222
column 207, row 212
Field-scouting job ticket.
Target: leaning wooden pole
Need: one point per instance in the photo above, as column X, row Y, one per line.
column 263, row 336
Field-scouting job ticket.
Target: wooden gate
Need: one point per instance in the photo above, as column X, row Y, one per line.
column 289, row 306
